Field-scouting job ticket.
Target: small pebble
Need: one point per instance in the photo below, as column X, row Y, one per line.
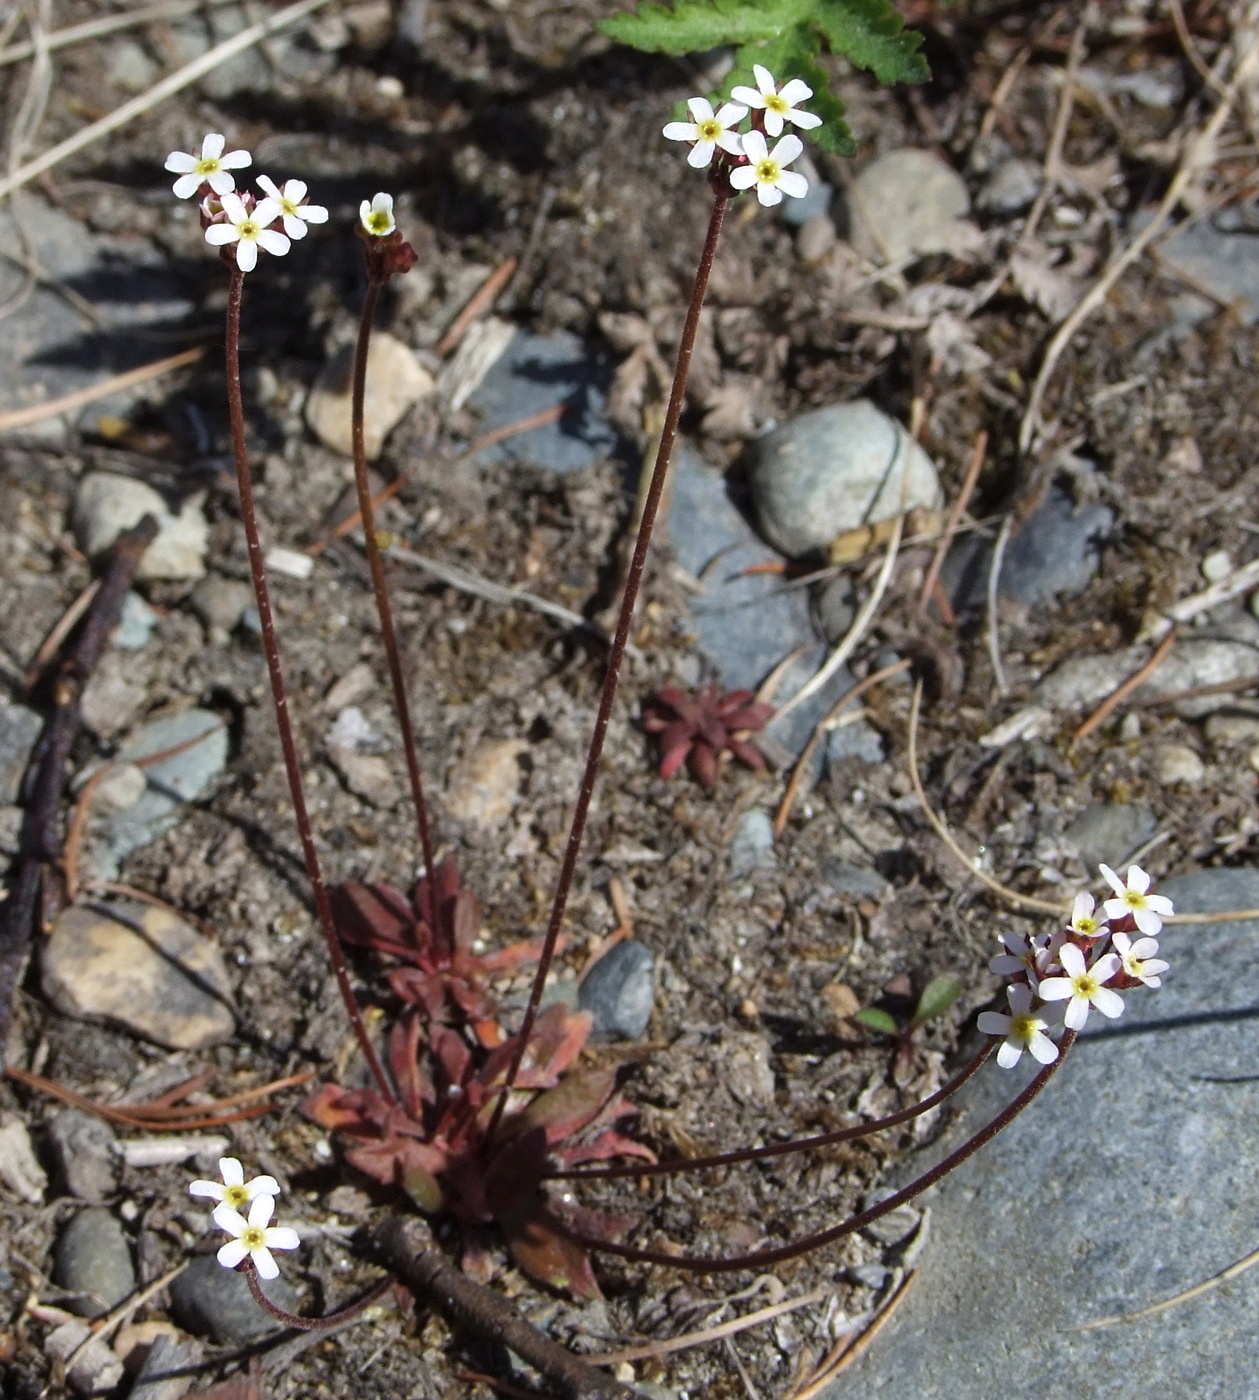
column 816, row 238
column 136, row 625
column 96, row 1369
column 19, row 1167
column 19, row 729
column 1228, row 729
column 207, row 1298
column 92, row 1260
column 220, row 603
column 753, row 845
column 1177, row 763
column 868, row 1275
column 292, row 563
column 1217, row 565
column 83, row 1152
column 106, row 504
column 484, row 784
column 1254, row 758
column 395, row 382
column 1130, row 727
column 907, row 202
column 619, row 991
column 896, row 1225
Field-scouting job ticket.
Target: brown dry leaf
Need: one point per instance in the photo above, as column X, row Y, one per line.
column 730, row 416
column 841, row 1000
column 1044, row 286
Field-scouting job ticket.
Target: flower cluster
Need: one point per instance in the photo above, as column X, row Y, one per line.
column 253, row 1237
column 237, row 217
column 1057, row 979
column 746, row 160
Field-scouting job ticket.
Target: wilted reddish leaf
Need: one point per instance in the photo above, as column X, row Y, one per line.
column 545, row 1254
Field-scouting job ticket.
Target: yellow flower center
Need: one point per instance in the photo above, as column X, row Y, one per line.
column 248, row 228
column 1023, row 1028
column 708, row 130
column 253, row 1237
column 378, row 222
column 774, row 103
column 1085, row 985
column 1134, row 900
column 768, row 171
column 1086, row 925
column 235, row 1196
column 208, row 165
column 288, row 207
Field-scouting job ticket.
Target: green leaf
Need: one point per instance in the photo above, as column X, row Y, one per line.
column 870, row 34
column 875, row 1020
column 694, row 26
column 937, row 996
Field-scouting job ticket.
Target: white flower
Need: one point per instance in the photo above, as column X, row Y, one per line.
column 252, row 1239
column 1083, row 919
column 709, row 130
column 294, row 214
column 779, row 106
column 377, row 215
column 1023, row 1029
column 247, row 228
column 1018, row 957
column 209, row 168
column 1083, row 987
column 1138, row 959
column 767, row 169
column 234, row 1190
column 1147, row 910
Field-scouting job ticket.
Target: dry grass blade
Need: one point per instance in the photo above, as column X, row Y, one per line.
column 108, row 24
column 175, row 82
column 1118, row 696
column 1232, row 1272
column 992, row 624
column 955, row 518
column 80, row 398
column 482, row 299
column 61, row 629
column 850, row 1347
column 707, row 1334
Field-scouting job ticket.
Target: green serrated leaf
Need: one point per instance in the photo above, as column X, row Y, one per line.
column 937, row 996
column 870, row 34
column 875, row 1020
column 694, row 26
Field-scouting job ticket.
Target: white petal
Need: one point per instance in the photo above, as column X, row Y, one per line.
column 700, row 108
column 1115, row 909
column 795, row 90
column 274, row 242
column 1056, row 989
column 247, row 260
column 1112, row 879
column 263, row 1186
column 266, row 211
column 261, row 1210
column 1147, row 921
column 700, row 154
column 1160, row 904
column 743, row 177
column 268, row 186
column 383, row 202
column 754, row 147
column 230, row 1220
column 806, row 121
column 206, row 1188
column 793, row 183
column 773, row 123
column 234, row 207
column 1020, row 999
column 1105, row 968
column 748, row 96
column 264, row 1263
column 1137, row 879
column 769, row 195
column 180, row 163
column 231, row 1171
column 314, row 213
column 1077, row 1014
column 1155, row 965
column 1072, row 960
column 293, row 226
column 364, row 210
column 788, row 149
column 1004, row 964
column 236, row 160
column 731, row 141
column 282, row 1237
column 231, row 1254
column 212, row 146
column 1009, row 1053
column 1142, row 948
column 186, row 186
column 1151, row 981
column 219, row 234
column 220, row 182
column 1108, row 1003
column 764, row 79
column 295, row 190
column 1043, row 1049
column 731, row 114
column 1082, row 907
column 675, row 131
column 993, row 1023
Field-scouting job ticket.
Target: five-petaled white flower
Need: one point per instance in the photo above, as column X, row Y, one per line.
column 248, row 229
column 211, row 167
column 1018, row 957
column 376, row 215
column 709, row 130
column 294, row 214
column 767, row 169
column 779, row 106
column 1083, row 987
column 1137, row 957
column 1147, row 910
column 1083, row 918
column 252, row 1238
column 234, row 1190
column 1023, row 1029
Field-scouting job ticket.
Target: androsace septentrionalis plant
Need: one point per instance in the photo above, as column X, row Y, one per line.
column 463, row 1115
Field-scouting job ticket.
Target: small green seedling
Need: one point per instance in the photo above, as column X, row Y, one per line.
column 786, row 36
column 937, row 996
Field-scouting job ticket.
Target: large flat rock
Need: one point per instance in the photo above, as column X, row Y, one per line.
column 1132, row 1178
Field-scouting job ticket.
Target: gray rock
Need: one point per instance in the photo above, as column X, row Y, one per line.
column 220, row 603
column 1011, row 187
column 536, row 372
column 833, row 470
column 107, row 503
column 172, row 781
column 1057, row 551
column 140, row 967
column 254, row 72
column 907, row 202
column 1221, row 253
column 92, row 1260
column 136, row 625
column 19, row 729
column 92, row 1365
column 1110, row 832
column 836, row 604
column 816, row 238
column 129, row 66
column 1200, row 661
column 1176, row 763
column 83, row 1154
column 860, row 741
column 752, row 847
column 396, row 381
column 209, row 1299
column 619, row 991
column 869, row 1275
column 165, row 1374
column 1133, row 1177
column 1084, row 680
column 853, row 881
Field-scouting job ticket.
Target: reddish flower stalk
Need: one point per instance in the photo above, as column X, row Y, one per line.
column 312, row 1324
column 275, row 673
column 616, row 653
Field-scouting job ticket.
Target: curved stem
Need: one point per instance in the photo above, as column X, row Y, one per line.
column 765, row 1257
column 616, row 653
column 384, row 610
column 782, row 1149
column 311, row 1324
column 275, row 673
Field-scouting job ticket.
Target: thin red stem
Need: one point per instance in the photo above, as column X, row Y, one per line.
column 616, row 653
column 311, row 1324
column 384, row 610
column 271, row 650
column 766, row 1257
column 782, row 1149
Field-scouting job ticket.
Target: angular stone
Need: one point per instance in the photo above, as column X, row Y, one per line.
column 396, row 381
column 833, row 470
column 483, row 786
column 139, row 967
column 207, row 1298
column 83, row 1151
column 106, row 504
column 93, row 1261
column 619, row 991
column 19, row 729
column 1110, row 832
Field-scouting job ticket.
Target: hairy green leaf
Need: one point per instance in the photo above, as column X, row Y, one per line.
column 875, row 1020
column 870, row 34
column 937, row 996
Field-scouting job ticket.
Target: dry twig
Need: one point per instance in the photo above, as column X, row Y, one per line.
column 1224, row 1276
column 954, row 520
column 67, row 403
column 1118, row 696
